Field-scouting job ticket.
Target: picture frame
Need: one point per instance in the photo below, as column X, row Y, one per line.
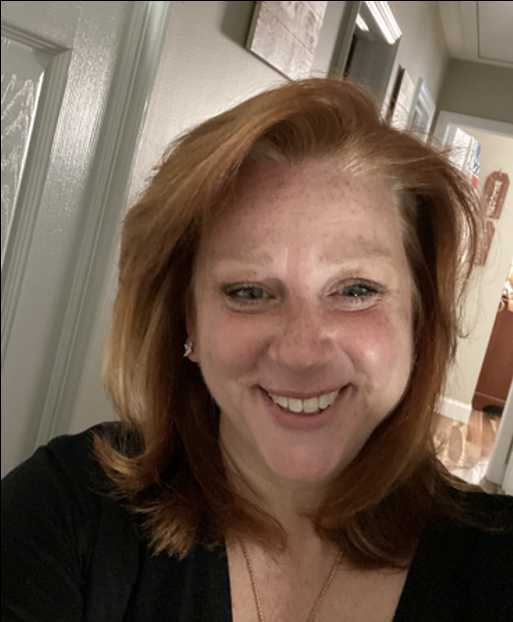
column 422, row 112
column 285, row 35
column 402, row 100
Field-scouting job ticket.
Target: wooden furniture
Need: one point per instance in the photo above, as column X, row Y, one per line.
column 497, row 368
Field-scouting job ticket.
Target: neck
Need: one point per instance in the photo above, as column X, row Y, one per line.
column 284, row 500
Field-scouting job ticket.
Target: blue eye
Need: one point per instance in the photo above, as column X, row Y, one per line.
column 359, row 290
column 246, row 293
column 352, row 297
column 359, row 295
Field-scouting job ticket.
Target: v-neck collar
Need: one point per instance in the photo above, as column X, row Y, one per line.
column 218, row 598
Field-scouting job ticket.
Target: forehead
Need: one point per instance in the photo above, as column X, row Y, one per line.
column 313, row 203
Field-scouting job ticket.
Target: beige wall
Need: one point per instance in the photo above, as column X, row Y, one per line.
column 205, row 69
column 478, row 90
column 422, row 50
column 488, row 281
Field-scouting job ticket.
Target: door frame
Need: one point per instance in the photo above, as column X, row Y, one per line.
column 135, row 72
column 446, row 118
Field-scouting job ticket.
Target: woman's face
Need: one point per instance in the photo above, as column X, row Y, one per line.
column 302, row 290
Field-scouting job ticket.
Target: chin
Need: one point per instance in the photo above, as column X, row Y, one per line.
column 305, row 470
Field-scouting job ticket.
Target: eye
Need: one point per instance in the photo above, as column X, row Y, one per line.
column 359, row 290
column 246, row 294
column 360, row 294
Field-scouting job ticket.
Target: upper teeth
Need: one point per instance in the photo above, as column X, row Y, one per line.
column 311, row 405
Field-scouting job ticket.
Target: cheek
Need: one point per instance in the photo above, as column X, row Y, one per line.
column 228, row 339
column 381, row 347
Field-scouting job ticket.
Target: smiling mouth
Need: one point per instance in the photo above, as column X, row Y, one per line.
column 308, row 407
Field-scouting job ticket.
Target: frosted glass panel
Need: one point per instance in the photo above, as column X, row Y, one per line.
column 21, row 86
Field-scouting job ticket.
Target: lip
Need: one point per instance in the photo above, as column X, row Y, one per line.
column 301, row 421
column 298, row 395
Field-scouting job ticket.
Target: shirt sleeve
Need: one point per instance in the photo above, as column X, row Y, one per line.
column 41, row 560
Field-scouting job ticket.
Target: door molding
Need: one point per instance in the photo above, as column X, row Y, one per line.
column 136, row 67
column 446, row 118
column 21, row 230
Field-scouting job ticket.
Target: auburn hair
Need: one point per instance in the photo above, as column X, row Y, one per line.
column 165, row 463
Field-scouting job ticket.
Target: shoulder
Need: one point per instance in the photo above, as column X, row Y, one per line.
column 484, row 514
column 61, row 532
column 470, row 564
column 67, row 459
column 489, row 541
column 62, row 485
column 487, row 502
column 488, row 523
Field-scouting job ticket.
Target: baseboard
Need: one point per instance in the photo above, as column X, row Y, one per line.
column 455, row 410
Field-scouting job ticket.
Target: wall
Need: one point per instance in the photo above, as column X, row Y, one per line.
column 478, row 90
column 488, row 281
column 205, row 69
column 422, row 51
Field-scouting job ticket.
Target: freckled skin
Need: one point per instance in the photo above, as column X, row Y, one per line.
column 319, row 226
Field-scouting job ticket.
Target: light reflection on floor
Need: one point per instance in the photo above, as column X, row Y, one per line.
column 465, row 449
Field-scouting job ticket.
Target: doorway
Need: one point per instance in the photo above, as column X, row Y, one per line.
column 479, row 382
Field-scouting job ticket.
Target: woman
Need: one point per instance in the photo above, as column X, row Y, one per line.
column 311, row 259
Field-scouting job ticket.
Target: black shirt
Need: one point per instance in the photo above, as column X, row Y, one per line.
column 71, row 554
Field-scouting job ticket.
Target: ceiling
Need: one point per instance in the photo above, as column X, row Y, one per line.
column 479, row 31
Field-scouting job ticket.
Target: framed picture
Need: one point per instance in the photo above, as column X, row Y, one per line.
column 423, row 111
column 464, row 152
column 285, row 35
column 402, row 100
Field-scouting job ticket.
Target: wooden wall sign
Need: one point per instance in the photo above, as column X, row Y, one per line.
column 494, row 194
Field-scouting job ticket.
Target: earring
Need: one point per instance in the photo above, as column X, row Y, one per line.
column 187, row 348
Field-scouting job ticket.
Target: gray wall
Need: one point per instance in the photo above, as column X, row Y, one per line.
column 422, row 50
column 478, row 90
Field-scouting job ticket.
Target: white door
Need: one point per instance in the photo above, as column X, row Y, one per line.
column 507, row 485
column 68, row 76
column 500, row 467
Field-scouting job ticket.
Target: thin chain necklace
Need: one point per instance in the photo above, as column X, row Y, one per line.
column 315, row 607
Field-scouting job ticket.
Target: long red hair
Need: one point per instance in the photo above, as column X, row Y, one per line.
column 166, row 464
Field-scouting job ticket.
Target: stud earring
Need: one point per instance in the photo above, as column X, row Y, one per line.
column 187, row 348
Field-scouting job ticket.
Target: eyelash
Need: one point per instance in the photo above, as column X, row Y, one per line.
column 372, row 292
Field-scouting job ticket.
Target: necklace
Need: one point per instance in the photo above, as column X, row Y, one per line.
column 313, row 611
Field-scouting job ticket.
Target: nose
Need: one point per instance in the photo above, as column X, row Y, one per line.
column 304, row 339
